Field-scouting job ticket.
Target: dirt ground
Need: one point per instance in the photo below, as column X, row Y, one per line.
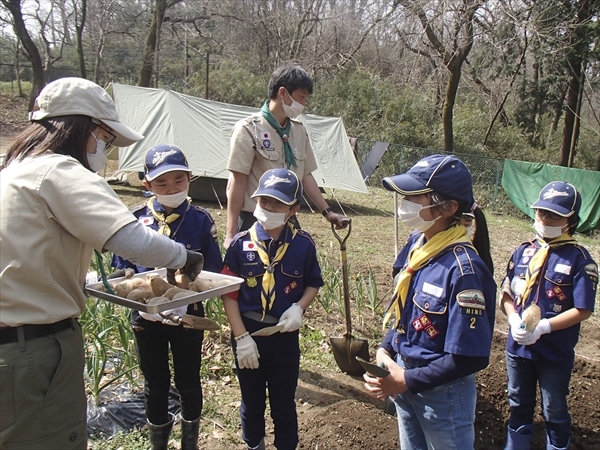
column 335, row 412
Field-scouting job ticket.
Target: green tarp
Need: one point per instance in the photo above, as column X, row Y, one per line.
column 523, row 182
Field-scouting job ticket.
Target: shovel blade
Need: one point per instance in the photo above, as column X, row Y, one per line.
column 199, row 323
column 345, row 349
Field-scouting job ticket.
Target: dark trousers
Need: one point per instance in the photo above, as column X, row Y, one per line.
column 278, row 371
column 152, row 340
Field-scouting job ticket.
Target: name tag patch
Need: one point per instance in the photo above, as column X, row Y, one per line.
column 563, row 268
column 436, row 291
column 471, row 298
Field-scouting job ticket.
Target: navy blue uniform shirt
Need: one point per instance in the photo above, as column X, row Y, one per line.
column 567, row 280
column 297, row 270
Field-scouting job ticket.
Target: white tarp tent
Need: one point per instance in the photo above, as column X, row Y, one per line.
column 202, row 129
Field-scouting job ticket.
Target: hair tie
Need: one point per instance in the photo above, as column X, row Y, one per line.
column 474, row 206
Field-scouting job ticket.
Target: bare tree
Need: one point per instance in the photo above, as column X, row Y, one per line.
column 80, row 16
column 448, row 27
column 31, row 50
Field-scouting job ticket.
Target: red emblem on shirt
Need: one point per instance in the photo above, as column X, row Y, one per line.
column 432, row 331
column 421, row 322
column 290, row 287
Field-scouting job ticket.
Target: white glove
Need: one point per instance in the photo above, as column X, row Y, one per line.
column 179, row 312
column 527, row 338
column 151, row 317
column 246, row 352
column 292, row 317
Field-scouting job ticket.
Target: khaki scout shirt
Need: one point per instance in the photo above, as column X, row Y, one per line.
column 53, row 213
column 256, row 147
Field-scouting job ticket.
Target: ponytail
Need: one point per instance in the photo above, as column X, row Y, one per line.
column 481, row 239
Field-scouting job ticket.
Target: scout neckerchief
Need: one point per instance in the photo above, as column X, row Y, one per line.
column 283, row 133
column 539, row 259
column 267, row 294
column 417, row 258
column 164, row 220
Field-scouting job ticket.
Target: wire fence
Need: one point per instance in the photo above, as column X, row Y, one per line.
column 486, row 172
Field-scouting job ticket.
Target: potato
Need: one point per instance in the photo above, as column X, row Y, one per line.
column 531, row 317
column 183, row 294
column 206, row 284
column 140, row 295
column 157, row 300
column 124, row 288
column 174, row 290
column 158, row 285
column 182, row 280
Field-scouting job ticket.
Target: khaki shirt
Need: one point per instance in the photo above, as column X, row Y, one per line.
column 256, row 147
column 53, row 213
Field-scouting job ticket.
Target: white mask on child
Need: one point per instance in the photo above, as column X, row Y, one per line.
column 172, row 200
column 408, row 212
column 98, row 160
column 269, row 220
column 548, row 232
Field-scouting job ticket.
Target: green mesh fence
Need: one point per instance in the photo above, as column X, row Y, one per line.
column 486, row 172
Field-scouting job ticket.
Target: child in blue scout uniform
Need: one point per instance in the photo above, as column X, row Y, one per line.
column 559, row 276
column 282, row 277
column 171, row 213
column 444, row 308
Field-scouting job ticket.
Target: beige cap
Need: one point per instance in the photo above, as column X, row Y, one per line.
column 80, row 97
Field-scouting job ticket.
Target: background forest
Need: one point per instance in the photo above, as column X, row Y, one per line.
column 506, row 78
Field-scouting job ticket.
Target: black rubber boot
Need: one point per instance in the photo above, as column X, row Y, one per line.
column 159, row 434
column 260, row 446
column 189, row 434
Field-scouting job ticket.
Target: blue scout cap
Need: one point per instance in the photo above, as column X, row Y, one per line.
column 559, row 197
column 163, row 158
column 280, row 184
column 444, row 174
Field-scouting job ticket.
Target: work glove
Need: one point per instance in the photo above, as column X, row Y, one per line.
column 156, row 317
column 179, row 312
column 525, row 337
column 292, row 318
column 194, row 263
column 514, row 320
column 246, row 352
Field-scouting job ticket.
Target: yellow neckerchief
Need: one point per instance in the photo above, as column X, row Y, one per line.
column 267, row 294
column 417, row 258
column 539, row 259
column 164, row 220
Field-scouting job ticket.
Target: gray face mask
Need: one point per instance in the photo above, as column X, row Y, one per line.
column 98, row 160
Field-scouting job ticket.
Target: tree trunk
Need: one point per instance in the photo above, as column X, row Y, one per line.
column 33, row 54
column 160, row 7
column 455, row 70
column 79, row 30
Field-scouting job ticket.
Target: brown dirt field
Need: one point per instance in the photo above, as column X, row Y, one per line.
column 334, row 410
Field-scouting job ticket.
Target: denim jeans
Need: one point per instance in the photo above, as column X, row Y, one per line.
column 523, row 377
column 439, row 418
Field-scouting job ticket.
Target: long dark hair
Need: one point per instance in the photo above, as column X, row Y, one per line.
column 481, row 238
column 65, row 135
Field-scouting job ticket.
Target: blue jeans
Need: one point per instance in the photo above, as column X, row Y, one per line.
column 439, row 418
column 523, row 377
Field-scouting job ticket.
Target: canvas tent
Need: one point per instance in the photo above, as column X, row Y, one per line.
column 202, row 129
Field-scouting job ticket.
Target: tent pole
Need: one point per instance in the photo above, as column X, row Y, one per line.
column 215, row 191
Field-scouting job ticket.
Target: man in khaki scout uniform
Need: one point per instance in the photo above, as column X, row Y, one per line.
column 272, row 139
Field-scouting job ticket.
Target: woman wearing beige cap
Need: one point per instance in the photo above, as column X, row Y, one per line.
column 54, row 212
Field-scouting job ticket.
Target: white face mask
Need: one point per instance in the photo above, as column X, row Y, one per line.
column 294, row 110
column 269, row 220
column 547, row 231
column 408, row 212
column 470, row 232
column 172, row 200
column 98, row 160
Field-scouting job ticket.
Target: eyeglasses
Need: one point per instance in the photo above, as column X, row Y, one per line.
column 551, row 215
column 112, row 135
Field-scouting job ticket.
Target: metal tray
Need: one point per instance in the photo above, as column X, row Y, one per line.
column 93, row 291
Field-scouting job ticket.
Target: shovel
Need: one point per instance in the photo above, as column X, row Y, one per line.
column 194, row 322
column 347, row 347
